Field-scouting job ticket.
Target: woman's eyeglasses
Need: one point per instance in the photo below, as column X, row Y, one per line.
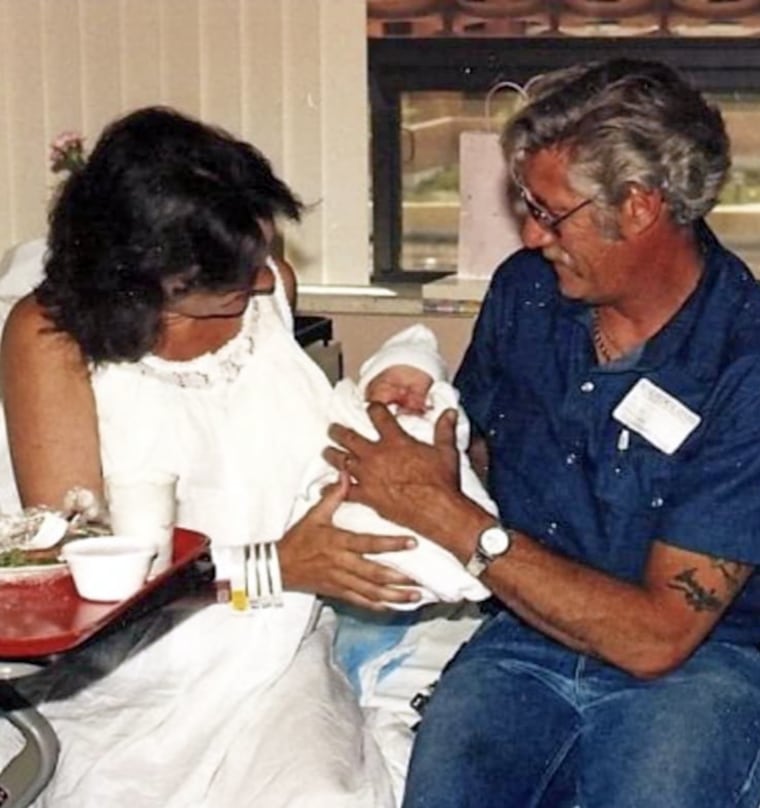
column 545, row 218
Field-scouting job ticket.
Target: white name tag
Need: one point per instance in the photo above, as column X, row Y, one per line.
column 656, row 415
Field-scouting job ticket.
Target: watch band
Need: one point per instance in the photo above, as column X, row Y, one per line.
column 477, row 564
column 494, row 542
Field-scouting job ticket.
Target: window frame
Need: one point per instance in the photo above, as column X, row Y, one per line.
column 398, row 65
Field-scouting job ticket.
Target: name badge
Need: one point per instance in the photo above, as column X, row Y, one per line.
column 656, row 415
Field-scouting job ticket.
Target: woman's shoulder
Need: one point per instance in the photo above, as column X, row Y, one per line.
column 26, row 320
column 29, row 335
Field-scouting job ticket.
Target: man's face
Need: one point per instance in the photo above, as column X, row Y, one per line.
column 559, row 222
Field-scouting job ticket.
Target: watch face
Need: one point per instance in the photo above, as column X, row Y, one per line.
column 494, row 541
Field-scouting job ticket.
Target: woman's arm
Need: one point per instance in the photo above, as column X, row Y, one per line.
column 49, row 407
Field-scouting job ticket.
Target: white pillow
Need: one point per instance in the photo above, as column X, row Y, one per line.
column 21, row 268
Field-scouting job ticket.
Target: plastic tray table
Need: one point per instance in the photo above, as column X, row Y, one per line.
column 41, row 618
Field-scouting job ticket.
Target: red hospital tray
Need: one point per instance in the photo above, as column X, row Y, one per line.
column 42, row 616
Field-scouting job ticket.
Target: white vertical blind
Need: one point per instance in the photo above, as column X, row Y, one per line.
column 102, row 57
column 289, row 75
column 140, row 52
column 221, row 62
column 302, row 91
column 180, row 54
column 7, row 220
column 25, row 111
column 345, row 124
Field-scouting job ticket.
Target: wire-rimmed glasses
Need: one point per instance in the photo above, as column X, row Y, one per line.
column 545, row 218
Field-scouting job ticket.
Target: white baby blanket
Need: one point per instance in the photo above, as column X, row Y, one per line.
column 440, row 575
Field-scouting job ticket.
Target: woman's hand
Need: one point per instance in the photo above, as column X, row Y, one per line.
column 404, row 480
column 316, row 556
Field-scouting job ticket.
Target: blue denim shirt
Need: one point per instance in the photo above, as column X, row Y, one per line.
column 559, row 472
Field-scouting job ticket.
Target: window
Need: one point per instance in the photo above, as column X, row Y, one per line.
column 425, row 91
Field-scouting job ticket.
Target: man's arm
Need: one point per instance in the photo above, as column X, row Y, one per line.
column 647, row 628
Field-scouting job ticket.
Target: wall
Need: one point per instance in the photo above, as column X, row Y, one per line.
column 361, row 335
column 289, row 75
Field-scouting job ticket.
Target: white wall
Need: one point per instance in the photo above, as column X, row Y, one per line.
column 288, row 75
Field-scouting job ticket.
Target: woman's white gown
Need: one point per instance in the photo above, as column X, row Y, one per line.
column 211, row 707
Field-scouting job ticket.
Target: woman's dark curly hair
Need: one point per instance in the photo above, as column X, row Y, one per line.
column 161, row 195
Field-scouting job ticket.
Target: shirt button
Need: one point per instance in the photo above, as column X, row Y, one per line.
column 587, row 387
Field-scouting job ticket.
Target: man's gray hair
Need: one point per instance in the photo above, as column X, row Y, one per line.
column 626, row 122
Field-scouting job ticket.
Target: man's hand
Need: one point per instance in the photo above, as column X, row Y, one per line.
column 315, row 556
column 405, row 481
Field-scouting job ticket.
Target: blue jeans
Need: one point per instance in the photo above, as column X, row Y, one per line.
column 518, row 721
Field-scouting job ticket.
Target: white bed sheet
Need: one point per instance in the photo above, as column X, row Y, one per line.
column 390, row 680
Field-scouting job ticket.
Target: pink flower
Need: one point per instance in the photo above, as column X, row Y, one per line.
column 67, row 152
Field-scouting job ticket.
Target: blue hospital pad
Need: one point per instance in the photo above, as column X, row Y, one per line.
column 362, row 636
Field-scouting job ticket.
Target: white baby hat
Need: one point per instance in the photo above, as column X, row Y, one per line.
column 416, row 346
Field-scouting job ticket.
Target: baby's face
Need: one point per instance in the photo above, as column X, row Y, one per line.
column 402, row 385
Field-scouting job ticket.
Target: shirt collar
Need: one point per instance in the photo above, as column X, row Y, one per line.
column 659, row 348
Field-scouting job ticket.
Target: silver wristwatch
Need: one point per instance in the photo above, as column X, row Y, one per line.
column 493, row 543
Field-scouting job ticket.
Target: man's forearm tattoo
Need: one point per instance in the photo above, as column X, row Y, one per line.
column 731, row 572
column 699, row 598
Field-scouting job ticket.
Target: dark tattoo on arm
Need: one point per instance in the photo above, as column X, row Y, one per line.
column 731, row 572
column 699, row 598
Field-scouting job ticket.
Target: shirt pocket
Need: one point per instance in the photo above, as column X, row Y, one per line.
column 633, row 482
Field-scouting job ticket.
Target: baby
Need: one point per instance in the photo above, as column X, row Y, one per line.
column 408, row 375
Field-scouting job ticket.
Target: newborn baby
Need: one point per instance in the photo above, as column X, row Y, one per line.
column 407, row 374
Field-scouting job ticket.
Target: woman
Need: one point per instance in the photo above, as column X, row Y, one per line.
column 161, row 338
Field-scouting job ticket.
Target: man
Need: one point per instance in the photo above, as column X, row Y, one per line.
column 614, row 373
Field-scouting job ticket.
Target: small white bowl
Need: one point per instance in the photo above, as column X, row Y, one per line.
column 108, row 568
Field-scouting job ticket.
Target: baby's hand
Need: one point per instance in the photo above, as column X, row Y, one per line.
column 404, row 389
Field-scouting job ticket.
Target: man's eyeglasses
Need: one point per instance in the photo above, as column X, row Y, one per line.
column 545, row 218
